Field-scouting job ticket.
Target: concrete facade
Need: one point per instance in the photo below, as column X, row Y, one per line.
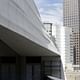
column 72, row 75
column 24, row 44
column 16, row 67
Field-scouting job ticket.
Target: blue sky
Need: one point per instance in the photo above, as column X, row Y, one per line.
column 51, row 10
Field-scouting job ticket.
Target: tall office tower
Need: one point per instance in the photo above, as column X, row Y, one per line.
column 60, row 41
column 48, row 28
column 72, row 19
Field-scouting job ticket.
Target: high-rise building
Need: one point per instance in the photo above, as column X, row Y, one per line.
column 72, row 19
column 68, row 52
column 60, row 41
column 48, row 28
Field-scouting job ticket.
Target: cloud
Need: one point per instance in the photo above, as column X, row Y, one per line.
column 50, row 11
column 51, row 19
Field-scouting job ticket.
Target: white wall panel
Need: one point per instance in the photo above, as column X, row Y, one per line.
column 22, row 17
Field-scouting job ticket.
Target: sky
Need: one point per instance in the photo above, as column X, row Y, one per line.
column 51, row 10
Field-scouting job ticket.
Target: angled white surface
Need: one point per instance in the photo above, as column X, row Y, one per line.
column 20, row 17
column 54, row 78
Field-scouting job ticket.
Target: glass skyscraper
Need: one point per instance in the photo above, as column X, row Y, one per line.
column 71, row 19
